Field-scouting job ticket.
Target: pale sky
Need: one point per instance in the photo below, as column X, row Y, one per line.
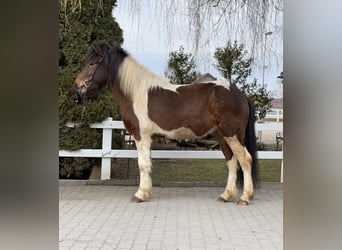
column 150, row 44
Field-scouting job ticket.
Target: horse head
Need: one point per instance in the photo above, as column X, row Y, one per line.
column 92, row 80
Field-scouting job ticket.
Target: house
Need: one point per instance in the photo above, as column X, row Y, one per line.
column 277, row 103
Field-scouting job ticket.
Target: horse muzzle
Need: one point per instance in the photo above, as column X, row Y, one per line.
column 85, row 94
column 81, row 94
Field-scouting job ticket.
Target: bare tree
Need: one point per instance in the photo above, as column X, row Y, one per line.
column 204, row 21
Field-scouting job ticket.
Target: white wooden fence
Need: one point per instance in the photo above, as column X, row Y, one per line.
column 275, row 113
column 106, row 152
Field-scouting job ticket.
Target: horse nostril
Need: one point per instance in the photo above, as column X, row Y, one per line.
column 80, row 89
column 76, row 87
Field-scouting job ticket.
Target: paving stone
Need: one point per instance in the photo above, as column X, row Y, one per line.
column 102, row 217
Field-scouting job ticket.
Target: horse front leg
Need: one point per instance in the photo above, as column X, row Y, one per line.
column 145, row 167
column 231, row 192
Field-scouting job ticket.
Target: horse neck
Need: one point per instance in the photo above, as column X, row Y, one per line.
column 122, row 100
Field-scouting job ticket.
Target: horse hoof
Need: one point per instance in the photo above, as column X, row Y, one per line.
column 136, row 199
column 242, row 203
column 220, row 199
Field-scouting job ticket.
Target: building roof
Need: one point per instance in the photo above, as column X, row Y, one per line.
column 277, row 103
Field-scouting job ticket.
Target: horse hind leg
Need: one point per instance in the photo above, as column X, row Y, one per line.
column 245, row 160
column 230, row 193
column 145, row 167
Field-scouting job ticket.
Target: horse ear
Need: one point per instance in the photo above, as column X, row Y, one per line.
column 99, row 47
column 93, row 45
column 115, row 44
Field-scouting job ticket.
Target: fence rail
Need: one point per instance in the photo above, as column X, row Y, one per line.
column 275, row 113
column 106, row 153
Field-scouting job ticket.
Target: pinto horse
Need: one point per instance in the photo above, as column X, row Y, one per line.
column 151, row 105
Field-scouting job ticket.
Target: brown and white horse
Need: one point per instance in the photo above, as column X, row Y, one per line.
column 151, row 105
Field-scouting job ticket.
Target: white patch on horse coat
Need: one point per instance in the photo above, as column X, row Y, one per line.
column 145, row 168
column 181, row 133
column 231, row 192
column 223, row 83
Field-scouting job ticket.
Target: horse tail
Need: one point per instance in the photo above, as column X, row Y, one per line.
column 250, row 142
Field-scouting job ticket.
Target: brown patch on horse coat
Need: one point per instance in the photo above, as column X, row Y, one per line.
column 227, row 152
column 129, row 118
column 199, row 107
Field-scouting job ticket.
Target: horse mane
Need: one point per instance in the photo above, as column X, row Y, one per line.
column 136, row 80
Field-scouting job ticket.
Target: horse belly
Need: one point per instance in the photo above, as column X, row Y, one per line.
column 185, row 133
column 183, row 126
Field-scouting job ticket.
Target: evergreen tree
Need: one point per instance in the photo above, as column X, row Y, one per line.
column 232, row 64
column 181, row 67
column 260, row 96
column 235, row 67
column 80, row 23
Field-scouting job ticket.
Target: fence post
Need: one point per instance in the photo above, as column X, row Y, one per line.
column 281, row 171
column 278, row 114
column 282, row 165
column 106, row 148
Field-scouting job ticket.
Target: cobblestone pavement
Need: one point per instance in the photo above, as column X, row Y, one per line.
column 102, row 217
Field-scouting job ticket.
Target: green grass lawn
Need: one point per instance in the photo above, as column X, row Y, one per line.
column 272, row 119
column 211, row 171
column 204, row 170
